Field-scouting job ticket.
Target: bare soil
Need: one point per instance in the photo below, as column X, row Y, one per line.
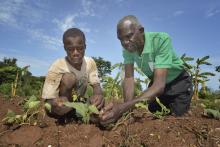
column 140, row 130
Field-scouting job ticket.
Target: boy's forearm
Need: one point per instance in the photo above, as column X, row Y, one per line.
column 97, row 90
column 58, row 108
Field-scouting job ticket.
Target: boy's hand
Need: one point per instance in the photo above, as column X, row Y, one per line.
column 97, row 100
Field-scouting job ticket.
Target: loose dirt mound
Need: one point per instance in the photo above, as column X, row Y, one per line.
column 191, row 131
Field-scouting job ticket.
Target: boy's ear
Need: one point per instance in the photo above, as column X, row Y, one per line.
column 64, row 47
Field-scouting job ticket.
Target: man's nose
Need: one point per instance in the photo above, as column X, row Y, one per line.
column 126, row 42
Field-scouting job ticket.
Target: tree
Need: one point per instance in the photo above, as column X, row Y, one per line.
column 217, row 68
column 103, row 66
column 8, row 70
column 15, row 80
column 9, row 62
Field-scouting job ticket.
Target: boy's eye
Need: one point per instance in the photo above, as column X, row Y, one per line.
column 78, row 48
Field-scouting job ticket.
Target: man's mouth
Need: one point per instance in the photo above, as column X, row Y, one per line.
column 132, row 47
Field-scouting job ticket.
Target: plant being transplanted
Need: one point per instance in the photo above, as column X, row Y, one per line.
column 83, row 110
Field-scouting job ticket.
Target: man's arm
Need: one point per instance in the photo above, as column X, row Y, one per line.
column 157, row 88
column 128, row 84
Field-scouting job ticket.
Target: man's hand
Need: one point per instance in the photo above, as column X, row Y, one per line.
column 97, row 100
column 110, row 113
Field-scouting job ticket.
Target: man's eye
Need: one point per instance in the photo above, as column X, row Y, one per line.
column 129, row 35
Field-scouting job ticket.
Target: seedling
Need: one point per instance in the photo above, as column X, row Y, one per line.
column 83, row 110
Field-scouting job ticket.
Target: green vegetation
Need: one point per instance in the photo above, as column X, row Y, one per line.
column 17, row 81
column 199, row 77
column 83, row 110
column 31, row 111
column 104, row 67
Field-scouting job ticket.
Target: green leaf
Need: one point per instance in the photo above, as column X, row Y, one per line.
column 140, row 105
column 207, row 74
column 24, row 117
column 18, row 116
column 93, row 109
column 139, row 71
column 33, row 105
column 11, row 120
column 206, row 63
column 31, row 99
column 74, row 97
column 204, row 58
column 48, row 106
column 186, row 58
column 117, row 65
column 10, row 113
column 81, row 108
column 212, row 113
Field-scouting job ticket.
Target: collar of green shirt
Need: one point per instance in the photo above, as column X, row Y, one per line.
column 147, row 44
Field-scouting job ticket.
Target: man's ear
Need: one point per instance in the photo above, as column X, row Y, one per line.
column 141, row 29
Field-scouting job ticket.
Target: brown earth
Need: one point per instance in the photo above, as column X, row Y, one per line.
column 141, row 131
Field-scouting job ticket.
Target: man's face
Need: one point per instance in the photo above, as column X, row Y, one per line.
column 75, row 48
column 130, row 36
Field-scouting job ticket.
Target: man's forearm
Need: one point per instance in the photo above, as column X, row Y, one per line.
column 148, row 95
column 128, row 89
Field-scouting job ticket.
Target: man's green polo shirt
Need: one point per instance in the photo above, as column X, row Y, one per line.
column 157, row 53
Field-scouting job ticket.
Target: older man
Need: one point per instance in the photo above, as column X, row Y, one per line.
column 154, row 55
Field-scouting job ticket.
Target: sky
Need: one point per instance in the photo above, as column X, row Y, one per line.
column 31, row 30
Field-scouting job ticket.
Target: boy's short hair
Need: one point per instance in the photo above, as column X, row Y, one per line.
column 74, row 32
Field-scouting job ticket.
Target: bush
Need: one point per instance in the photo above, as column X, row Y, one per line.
column 5, row 88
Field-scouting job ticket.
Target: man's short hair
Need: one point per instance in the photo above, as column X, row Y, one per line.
column 131, row 18
column 74, row 32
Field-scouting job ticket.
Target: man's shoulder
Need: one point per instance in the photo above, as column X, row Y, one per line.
column 157, row 34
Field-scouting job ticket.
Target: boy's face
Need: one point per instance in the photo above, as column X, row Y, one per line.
column 75, row 49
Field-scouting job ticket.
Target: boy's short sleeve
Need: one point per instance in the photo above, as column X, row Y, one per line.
column 52, row 81
column 93, row 73
column 51, row 85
